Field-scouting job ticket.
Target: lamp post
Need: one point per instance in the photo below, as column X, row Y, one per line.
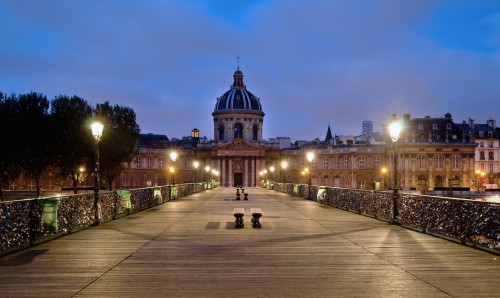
column 310, row 157
column 196, row 164
column 478, row 172
column 394, row 131
column 207, row 169
column 173, row 157
column 97, row 129
column 284, row 165
column 272, row 172
column 384, row 172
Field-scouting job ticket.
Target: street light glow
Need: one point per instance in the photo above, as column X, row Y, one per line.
column 196, row 164
column 394, row 128
column 97, row 129
column 310, row 156
column 173, row 155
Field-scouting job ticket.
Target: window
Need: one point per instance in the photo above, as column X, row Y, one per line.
column 325, row 163
column 455, row 160
column 187, row 163
column 336, row 163
column 490, row 156
column 482, row 167
column 490, row 144
column 301, row 163
column 448, row 126
column 439, row 161
column 238, row 131
column 376, row 162
column 255, row 132
column 481, row 134
column 421, row 161
column 490, row 134
column 434, row 126
column 138, row 162
column 361, row 162
column 325, row 180
column 481, row 144
column 149, row 162
column 221, row 133
column 160, row 163
column 420, row 126
column 314, row 164
column 346, row 162
column 481, row 155
column 491, row 168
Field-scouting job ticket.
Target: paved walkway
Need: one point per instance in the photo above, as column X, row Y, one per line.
column 189, row 248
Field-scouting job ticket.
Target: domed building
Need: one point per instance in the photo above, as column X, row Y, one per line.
column 238, row 113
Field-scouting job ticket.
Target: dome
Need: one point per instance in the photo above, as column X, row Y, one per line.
column 238, row 98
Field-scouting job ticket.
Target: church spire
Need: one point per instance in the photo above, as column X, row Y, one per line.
column 329, row 136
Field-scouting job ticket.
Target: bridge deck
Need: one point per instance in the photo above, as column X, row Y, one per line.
column 190, row 248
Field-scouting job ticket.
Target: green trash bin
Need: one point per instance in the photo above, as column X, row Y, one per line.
column 49, row 214
column 173, row 192
column 321, row 193
column 157, row 195
column 125, row 199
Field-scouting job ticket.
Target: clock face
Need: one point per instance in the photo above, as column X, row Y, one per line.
column 238, row 144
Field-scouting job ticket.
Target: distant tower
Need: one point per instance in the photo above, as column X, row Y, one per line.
column 329, row 137
column 367, row 129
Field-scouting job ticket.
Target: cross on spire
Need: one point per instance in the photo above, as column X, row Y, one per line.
column 238, row 57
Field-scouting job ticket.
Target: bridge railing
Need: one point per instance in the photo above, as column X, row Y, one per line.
column 24, row 223
column 468, row 221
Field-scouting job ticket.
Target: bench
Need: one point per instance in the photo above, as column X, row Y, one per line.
column 238, row 215
column 256, row 214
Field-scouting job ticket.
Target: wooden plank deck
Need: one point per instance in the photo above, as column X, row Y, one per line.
column 190, row 248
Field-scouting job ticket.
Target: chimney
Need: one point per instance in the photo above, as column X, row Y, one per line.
column 471, row 123
column 492, row 123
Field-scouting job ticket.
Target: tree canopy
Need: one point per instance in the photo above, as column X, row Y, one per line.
column 34, row 139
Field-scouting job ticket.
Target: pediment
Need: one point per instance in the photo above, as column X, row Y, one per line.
column 239, row 147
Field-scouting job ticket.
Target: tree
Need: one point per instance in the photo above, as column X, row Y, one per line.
column 9, row 156
column 119, row 141
column 35, row 138
column 74, row 148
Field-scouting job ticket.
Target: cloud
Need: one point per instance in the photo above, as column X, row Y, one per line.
column 312, row 63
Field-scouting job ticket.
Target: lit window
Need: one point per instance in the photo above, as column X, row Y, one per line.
column 455, row 161
column 361, row 162
column 421, row 161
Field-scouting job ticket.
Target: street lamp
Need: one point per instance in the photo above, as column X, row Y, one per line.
column 272, row 172
column 172, row 171
column 207, row 169
column 394, row 131
column 310, row 157
column 173, row 157
column 196, row 164
column 384, row 172
column 97, row 129
column 284, row 165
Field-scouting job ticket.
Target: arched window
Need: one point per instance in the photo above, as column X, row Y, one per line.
column 255, row 132
column 221, row 133
column 238, row 131
column 326, row 180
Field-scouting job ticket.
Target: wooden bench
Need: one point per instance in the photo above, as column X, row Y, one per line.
column 256, row 214
column 238, row 215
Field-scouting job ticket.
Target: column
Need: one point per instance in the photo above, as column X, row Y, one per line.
column 245, row 171
column 230, row 172
column 223, row 172
column 252, row 180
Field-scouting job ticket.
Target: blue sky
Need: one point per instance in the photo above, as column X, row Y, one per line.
column 312, row 63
